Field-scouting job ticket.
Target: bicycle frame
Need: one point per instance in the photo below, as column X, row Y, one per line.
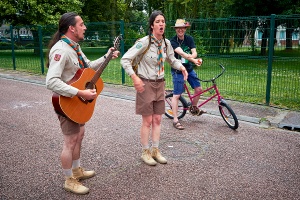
column 214, row 87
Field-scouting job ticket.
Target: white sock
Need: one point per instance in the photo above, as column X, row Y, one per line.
column 155, row 144
column 145, row 146
column 67, row 172
column 76, row 163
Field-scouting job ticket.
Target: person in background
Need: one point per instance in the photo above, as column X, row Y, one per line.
column 149, row 83
column 65, row 59
column 185, row 51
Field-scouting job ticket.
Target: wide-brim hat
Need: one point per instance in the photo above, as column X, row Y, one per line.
column 181, row 23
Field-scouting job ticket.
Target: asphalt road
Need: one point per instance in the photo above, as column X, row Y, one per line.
column 207, row 160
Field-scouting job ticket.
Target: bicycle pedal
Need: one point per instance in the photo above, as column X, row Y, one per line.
column 194, row 110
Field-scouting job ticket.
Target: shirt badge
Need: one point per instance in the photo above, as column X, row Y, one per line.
column 57, row 57
column 139, row 45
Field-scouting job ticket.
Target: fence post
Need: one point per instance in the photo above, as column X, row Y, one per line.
column 122, row 49
column 41, row 48
column 12, row 39
column 270, row 58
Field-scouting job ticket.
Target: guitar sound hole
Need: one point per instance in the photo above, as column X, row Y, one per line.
column 88, row 85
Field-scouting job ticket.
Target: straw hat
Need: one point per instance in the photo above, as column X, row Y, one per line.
column 181, row 23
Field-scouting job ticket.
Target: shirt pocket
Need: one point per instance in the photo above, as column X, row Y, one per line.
column 151, row 57
column 75, row 63
column 72, row 64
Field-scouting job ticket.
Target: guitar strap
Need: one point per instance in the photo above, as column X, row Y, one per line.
column 81, row 61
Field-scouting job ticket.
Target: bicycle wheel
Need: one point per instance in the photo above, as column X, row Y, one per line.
column 228, row 115
column 182, row 107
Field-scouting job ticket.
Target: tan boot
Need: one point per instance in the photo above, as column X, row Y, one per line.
column 80, row 174
column 72, row 185
column 157, row 156
column 147, row 158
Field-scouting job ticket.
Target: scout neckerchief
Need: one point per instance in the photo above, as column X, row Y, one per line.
column 82, row 63
column 159, row 53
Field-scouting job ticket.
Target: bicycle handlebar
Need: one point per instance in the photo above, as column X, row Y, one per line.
column 223, row 70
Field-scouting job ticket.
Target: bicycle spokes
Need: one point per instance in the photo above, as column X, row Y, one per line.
column 228, row 115
column 170, row 112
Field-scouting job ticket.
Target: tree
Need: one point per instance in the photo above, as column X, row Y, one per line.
column 33, row 12
column 194, row 9
column 266, row 8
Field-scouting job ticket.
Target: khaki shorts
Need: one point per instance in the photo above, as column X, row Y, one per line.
column 152, row 100
column 67, row 126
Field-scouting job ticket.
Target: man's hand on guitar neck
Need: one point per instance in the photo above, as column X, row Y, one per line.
column 115, row 53
column 88, row 94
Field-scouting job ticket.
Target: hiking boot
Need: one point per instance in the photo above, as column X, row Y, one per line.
column 147, row 158
column 72, row 185
column 157, row 156
column 80, row 174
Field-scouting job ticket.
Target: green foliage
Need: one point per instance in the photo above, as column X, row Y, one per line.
column 134, row 32
column 263, row 8
column 199, row 43
column 48, row 12
column 37, row 12
column 6, row 45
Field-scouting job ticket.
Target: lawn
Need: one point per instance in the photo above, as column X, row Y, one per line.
column 245, row 78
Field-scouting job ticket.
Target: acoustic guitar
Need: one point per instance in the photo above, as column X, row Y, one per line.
column 77, row 108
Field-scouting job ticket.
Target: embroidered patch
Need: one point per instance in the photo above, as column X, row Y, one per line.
column 57, row 57
column 139, row 45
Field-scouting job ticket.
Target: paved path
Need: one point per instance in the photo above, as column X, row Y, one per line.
column 205, row 161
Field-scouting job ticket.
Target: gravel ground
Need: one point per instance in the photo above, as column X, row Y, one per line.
column 207, row 160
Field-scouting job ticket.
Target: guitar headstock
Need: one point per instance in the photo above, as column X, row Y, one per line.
column 117, row 42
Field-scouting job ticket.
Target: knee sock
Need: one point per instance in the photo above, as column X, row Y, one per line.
column 76, row 163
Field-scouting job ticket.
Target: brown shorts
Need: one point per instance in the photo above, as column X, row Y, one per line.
column 67, row 126
column 152, row 100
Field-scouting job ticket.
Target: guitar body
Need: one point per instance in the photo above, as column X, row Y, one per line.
column 75, row 108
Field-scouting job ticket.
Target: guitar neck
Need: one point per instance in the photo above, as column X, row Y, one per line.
column 104, row 64
column 101, row 68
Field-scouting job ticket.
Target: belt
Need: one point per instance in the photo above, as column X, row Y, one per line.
column 152, row 80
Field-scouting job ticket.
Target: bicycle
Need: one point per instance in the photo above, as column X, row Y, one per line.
column 226, row 111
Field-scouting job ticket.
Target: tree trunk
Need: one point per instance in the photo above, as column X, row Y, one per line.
column 263, row 48
column 36, row 44
column 289, row 41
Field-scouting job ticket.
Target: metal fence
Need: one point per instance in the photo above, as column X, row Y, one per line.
column 261, row 54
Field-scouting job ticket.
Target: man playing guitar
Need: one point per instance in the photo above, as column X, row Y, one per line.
column 65, row 60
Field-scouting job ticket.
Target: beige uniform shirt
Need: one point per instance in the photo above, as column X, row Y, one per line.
column 148, row 67
column 63, row 65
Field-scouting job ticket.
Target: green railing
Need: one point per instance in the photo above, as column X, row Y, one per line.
column 261, row 54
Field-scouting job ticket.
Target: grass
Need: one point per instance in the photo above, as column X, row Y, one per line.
column 245, row 78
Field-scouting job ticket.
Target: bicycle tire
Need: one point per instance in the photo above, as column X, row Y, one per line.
column 228, row 115
column 182, row 107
